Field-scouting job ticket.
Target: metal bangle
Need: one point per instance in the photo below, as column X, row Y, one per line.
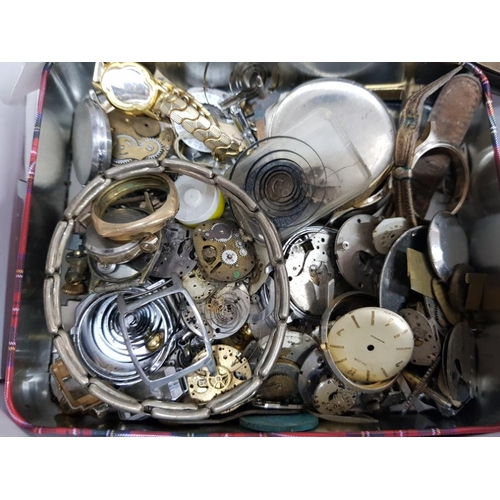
column 137, row 229
column 178, row 412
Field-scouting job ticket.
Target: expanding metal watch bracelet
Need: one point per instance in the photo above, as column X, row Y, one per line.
column 163, row 410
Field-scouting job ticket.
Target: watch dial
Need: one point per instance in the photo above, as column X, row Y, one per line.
column 128, row 87
column 370, row 344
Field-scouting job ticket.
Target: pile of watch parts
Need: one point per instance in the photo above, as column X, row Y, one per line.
column 168, row 290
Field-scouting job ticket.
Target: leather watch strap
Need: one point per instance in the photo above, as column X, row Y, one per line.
column 455, row 107
column 413, row 196
column 451, row 117
column 411, row 119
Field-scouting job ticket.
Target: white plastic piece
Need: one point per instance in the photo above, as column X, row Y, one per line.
column 387, row 232
column 199, row 201
column 19, row 79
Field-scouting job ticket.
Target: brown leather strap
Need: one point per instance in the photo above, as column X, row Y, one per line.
column 406, row 140
column 451, row 117
column 455, row 107
column 411, row 119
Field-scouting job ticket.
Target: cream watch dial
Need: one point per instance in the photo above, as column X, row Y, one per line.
column 370, row 344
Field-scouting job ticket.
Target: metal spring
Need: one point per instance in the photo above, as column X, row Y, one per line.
column 98, row 338
column 421, row 385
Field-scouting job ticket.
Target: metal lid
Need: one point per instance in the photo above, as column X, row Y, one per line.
column 362, row 116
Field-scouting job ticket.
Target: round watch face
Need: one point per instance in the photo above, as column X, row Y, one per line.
column 370, row 344
column 128, row 86
column 387, row 232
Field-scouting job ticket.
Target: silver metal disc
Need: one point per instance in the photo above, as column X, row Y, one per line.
column 312, row 372
column 459, row 364
column 387, row 232
column 227, row 310
column 361, row 115
column 434, row 311
column 296, row 346
column 448, row 245
column 395, row 287
column 197, row 286
column 427, row 342
column 310, row 263
column 332, row 398
column 357, row 258
column 91, row 140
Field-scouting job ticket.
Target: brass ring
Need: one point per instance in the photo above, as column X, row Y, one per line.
column 138, row 229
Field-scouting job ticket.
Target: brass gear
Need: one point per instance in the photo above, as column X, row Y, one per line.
column 232, row 369
column 127, row 148
column 221, row 379
column 224, row 232
column 219, row 257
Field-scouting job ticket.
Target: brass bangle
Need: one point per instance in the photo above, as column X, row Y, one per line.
column 138, row 229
